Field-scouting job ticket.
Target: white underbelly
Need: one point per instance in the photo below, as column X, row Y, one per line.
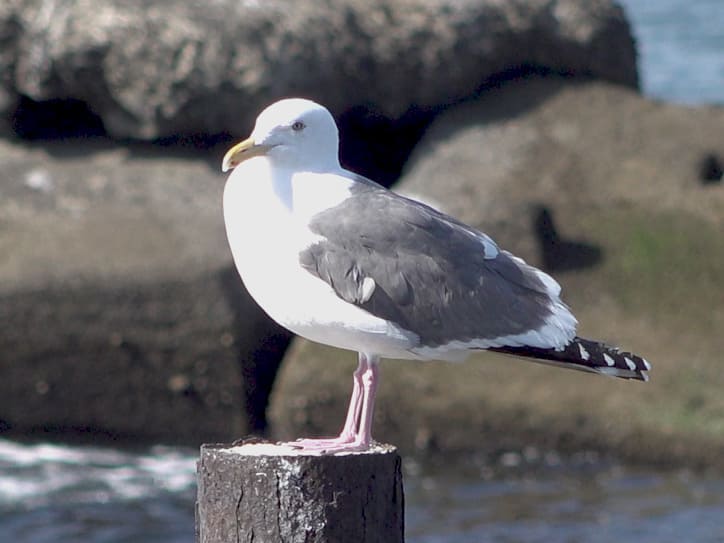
column 306, row 305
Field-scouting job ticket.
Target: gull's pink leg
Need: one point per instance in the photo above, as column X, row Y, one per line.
column 355, row 403
column 357, row 430
column 370, row 380
column 351, row 423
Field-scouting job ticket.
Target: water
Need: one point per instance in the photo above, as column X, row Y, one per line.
column 567, row 501
column 56, row 493
column 64, row 494
column 681, row 48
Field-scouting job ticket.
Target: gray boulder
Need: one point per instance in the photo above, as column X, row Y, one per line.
column 151, row 69
column 570, row 149
column 121, row 311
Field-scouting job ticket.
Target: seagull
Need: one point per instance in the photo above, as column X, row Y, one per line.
column 339, row 259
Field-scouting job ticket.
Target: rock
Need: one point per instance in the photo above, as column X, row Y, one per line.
column 546, row 145
column 104, row 333
column 151, row 69
column 9, row 35
column 122, row 313
column 617, row 171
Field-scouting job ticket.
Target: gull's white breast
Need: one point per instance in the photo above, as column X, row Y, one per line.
column 267, row 215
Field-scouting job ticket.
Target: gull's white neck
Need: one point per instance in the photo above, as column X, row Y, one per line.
column 272, row 193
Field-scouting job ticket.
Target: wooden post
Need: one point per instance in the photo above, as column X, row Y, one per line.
column 270, row 493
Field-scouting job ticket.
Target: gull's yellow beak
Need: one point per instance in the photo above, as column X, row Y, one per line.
column 240, row 152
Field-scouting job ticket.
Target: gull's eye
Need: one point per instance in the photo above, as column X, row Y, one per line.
column 298, row 125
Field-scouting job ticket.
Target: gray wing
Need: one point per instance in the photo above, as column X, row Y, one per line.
column 433, row 275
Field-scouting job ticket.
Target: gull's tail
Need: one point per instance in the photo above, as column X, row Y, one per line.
column 586, row 355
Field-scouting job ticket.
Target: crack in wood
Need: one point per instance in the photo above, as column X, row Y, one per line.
column 279, row 506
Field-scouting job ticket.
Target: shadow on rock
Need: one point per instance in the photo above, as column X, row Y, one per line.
column 557, row 253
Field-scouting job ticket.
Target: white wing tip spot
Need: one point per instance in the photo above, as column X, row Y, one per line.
column 368, row 287
column 646, row 364
column 630, row 363
column 584, row 353
column 610, row 361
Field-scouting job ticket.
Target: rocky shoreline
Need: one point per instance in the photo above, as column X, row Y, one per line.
column 123, row 318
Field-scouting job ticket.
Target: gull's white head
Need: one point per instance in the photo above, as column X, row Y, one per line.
column 294, row 133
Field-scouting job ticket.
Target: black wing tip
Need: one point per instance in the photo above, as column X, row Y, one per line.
column 610, row 360
column 588, row 355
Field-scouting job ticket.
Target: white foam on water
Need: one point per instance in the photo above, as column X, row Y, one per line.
column 37, row 474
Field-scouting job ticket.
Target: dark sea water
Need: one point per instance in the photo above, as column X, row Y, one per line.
column 52, row 493
column 553, row 500
column 63, row 494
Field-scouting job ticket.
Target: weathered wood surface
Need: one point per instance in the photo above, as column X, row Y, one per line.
column 270, row 493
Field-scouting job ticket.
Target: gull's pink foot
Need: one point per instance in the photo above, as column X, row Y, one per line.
column 357, row 432
column 330, row 445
